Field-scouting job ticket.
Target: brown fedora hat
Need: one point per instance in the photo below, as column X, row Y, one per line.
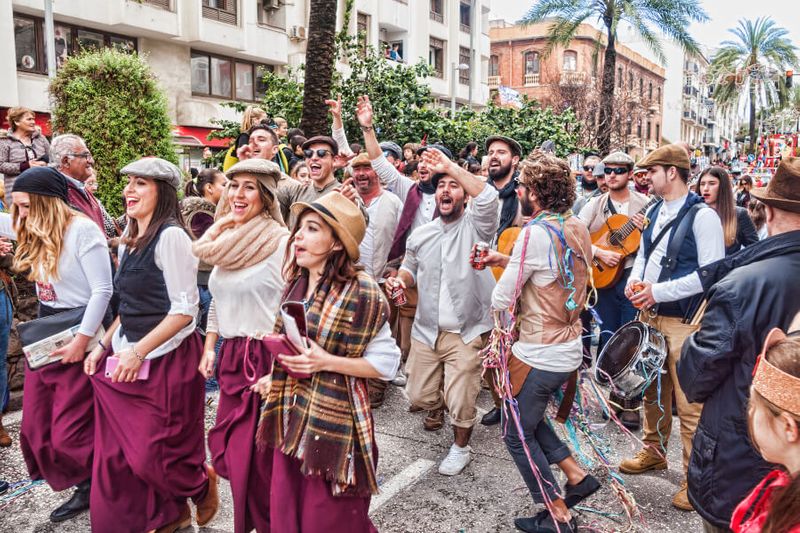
column 342, row 215
column 783, row 190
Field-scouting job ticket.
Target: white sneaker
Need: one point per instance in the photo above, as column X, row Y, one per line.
column 457, row 459
column 400, row 379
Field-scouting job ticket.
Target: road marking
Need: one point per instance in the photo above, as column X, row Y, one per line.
column 408, row 476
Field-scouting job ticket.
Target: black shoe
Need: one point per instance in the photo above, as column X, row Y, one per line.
column 3, row 486
column 574, row 494
column 78, row 503
column 491, row 418
column 544, row 523
column 631, row 420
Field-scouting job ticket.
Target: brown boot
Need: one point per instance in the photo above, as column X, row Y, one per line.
column 644, row 460
column 207, row 507
column 5, row 439
column 681, row 498
column 183, row 521
column 435, row 420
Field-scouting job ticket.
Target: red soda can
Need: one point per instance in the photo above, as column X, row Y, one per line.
column 479, row 251
column 398, row 295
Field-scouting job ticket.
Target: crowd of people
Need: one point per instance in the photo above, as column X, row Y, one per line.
column 305, row 276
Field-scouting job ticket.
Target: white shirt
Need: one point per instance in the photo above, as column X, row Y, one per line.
column 383, row 353
column 84, row 272
column 400, row 185
column 384, row 215
column 173, row 256
column 710, row 240
column 588, row 210
column 245, row 301
column 539, row 256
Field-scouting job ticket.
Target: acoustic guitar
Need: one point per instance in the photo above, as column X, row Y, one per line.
column 620, row 235
column 505, row 244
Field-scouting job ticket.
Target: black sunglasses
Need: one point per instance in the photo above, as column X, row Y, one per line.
column 587, row 169
column 321, row 153
column 617, row 171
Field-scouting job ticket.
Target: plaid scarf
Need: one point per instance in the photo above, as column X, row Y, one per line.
column 326, row 421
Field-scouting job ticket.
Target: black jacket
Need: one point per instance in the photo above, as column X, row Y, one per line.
column 746, row 233
column 748, row 293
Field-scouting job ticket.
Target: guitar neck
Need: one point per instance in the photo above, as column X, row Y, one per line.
column 629, row 226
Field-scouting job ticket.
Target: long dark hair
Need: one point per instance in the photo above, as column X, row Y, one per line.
column 468, row 149
column 726, row 203
column 196, row 186
column 339, row 267
column 785, row 506
column 167, row 211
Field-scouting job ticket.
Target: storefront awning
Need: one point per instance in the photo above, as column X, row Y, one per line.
column 194, row 136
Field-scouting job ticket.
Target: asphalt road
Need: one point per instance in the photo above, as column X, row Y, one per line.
column 414, row 496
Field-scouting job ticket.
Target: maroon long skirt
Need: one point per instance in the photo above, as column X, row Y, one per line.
column 300, row 504
column 57, row 433
column 247, row 469
column 150, row 453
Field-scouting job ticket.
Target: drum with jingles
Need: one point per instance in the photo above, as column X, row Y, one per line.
column 631, row 359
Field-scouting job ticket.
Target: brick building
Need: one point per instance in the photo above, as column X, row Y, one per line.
column 518, row 60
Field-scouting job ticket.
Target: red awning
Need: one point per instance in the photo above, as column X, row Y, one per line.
column 42, row 120
column 193, row 136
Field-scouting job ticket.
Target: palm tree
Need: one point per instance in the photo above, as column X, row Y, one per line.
column 752, row 68
column 670, row 17
column 320, row 55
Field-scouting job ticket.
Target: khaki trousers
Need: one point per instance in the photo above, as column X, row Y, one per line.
column 455, row 363
column 658, row 408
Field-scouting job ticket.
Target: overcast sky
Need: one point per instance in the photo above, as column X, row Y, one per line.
column 724, row 14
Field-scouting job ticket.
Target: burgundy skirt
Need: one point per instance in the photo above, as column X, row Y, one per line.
column 150, row 453
column 300, row 504
column 57, row 432
column 247, row 469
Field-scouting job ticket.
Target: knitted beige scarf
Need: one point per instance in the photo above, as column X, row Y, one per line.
column 240, row 247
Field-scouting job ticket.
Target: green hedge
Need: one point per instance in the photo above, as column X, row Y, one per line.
column 112, row 100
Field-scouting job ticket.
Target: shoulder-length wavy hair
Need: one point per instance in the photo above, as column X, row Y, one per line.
column 550, row 179
column 339, row 267
column 167, row 211
column 40, row 236
column 726, row 203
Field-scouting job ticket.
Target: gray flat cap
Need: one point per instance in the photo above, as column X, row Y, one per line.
column 266, row 172
column 599, row 170
column 155, row 168
column 393, row 148
column 618, row 158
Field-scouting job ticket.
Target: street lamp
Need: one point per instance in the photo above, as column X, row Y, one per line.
column 455, row 70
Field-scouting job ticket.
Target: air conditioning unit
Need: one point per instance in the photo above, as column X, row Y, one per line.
column 297, row 33
column 272, row 5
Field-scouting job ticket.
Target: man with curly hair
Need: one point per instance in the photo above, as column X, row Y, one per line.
column 552, row 251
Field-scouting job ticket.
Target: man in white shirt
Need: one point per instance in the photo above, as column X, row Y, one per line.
column 667, row 280
column 453, row 311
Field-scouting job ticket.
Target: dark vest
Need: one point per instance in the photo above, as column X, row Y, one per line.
column 687, row 255
column 143, row 297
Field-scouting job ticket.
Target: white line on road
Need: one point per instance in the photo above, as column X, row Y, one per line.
column 408, row 476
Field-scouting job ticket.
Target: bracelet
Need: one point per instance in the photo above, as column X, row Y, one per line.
column 103, row 346
column 138, row 355
column 367, row 128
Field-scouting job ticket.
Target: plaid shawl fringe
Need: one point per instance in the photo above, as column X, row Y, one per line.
column 326, row 421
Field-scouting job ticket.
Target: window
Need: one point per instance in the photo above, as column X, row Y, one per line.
column 658, row 94
column 465, row 16
column 221, row 10
column 641, row 87
column 649, row 131
column 272, row 13
column 437, row 10
column 650, row 91
column 464, row 58
column 531, row 63
column 227, row 78
column 31, row 51
column 494, row 66
column 630, row 81
column 620, row 79
column 570, row 61
column 436, row 56
column 658, row 133
column 163, row 4
column 362, row 32
column 639, row 128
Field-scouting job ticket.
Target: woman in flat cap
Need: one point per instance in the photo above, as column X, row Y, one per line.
column 246, row 247
column 149, row 439
column 319, row 429
column 66, row 255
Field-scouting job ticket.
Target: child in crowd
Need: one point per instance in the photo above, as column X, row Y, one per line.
column 774, row 505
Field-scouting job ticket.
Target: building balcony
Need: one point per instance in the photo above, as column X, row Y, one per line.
column 437, row 17
column 633, row 142
column 494, row 82
column 651, row 145
column 531, row 80
column 573, row 78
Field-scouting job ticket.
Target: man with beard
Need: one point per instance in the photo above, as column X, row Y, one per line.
column 453, row 312
column 641, row 181
column 553, row 246
column 590, row 179
column 503, row 154
column 613, row 307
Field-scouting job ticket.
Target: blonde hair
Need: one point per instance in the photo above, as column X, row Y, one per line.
column 15, row 114
column 252, row 116
column 40, row 236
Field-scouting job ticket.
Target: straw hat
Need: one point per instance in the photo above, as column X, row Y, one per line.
column 342, row 215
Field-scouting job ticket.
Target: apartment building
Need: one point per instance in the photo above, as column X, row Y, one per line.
column 208, row 51
column 520, row 60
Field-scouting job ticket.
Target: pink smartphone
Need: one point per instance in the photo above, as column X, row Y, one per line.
column 112, row 361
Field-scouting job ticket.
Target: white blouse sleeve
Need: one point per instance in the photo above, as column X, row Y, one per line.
column 95, row 263
column 7, row 226
column 383, row 354
column 175, row 259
